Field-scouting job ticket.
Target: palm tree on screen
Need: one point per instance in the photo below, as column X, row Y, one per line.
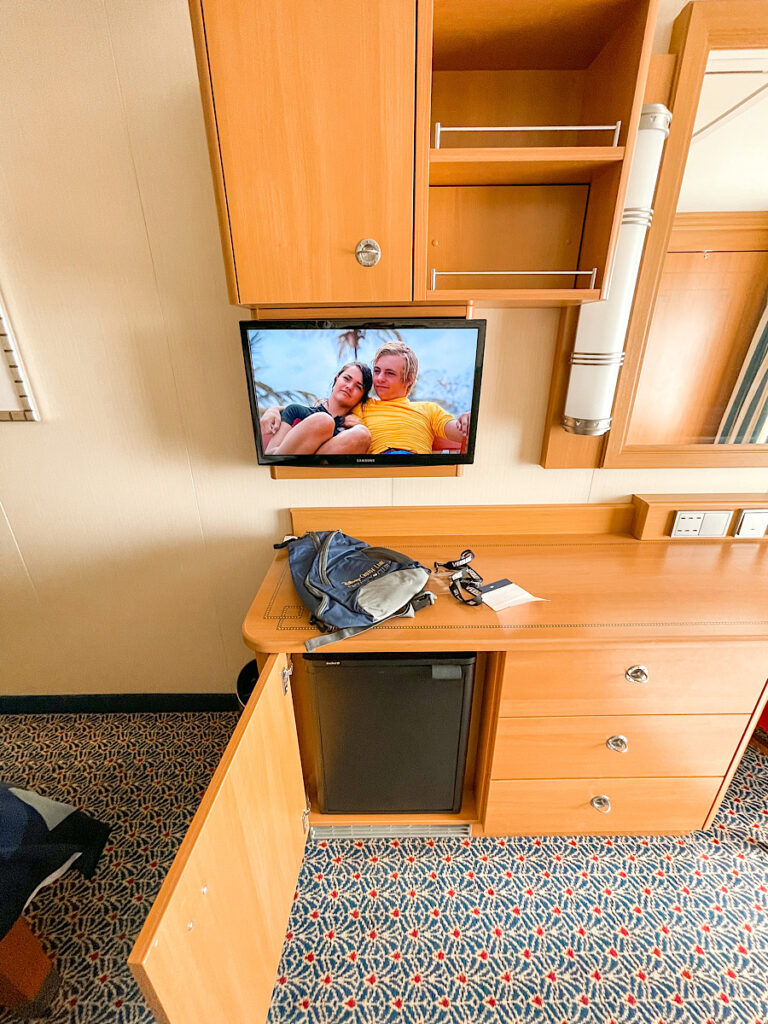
column 348, row 342
column 266, row 395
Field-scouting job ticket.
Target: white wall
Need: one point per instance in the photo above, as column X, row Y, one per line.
column 135, row 525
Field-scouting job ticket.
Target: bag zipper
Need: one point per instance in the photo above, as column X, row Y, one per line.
column 322, row 558
column 322, row 598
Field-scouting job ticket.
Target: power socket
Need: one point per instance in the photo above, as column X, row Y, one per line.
column 753, row 522
column 687, row 524
column 702, row 524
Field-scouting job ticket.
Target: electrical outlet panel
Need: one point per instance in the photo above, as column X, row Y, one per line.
column 702, row 524
column 753, row 522
column 687, row 524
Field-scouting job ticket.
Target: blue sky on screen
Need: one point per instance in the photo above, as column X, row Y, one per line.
column 291, row 361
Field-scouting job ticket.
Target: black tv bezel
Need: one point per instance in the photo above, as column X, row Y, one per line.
column 366, row 461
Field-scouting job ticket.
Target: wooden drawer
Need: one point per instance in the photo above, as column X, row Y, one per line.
column 693, row 678
column 540, row 807
column 657, row 745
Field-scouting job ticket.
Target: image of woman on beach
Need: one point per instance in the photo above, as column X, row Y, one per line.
column 328, row 428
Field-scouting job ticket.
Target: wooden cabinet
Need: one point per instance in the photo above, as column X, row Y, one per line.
column 310, row 118
column 620, row 738
column 321, row 121
column 210, row 946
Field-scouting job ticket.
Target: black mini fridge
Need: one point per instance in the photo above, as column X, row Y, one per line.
column 391, row 730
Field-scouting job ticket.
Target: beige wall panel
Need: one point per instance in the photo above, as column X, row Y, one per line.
column 155, row 64
column 99, row 496
column 619, row 484
column 140, row 514
column 19, row 605
column 668, row 11
column 17, row 586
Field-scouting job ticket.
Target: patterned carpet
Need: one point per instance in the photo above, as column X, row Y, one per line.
column 651, row 931
column 559, row 929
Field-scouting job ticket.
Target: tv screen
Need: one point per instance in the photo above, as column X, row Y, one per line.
column 364, row 392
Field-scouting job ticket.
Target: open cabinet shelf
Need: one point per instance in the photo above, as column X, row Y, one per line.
column 566, row 90
column 500, row 241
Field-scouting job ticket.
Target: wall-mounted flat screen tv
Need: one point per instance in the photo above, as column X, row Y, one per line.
column 397, row 392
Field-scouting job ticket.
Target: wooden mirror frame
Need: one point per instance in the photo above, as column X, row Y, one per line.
column 702, row 26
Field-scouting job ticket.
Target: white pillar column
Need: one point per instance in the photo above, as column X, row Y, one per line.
column 598, row 350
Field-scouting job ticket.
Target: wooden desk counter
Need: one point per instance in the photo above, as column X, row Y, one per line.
column 597, row 588
column 660, row 646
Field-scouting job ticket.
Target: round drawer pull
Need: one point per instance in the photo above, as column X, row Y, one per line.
column 618, row 743
column 601, row 803
column 367, row 252
column 637, row 674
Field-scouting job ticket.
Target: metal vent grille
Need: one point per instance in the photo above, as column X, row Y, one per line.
column 317, row 832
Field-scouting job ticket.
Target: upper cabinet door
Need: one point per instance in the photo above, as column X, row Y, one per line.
column 211, row 944
column 310, row 115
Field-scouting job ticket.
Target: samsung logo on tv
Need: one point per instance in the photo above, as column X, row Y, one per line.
column 366, row 460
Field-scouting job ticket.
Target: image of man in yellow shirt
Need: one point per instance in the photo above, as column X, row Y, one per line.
column 397, row 425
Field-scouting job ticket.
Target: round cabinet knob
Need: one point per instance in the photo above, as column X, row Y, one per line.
column 618, row 743
column 601, row 803
column 367, row 252
column 637, row 674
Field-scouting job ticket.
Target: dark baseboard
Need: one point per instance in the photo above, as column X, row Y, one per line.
column 108, row 703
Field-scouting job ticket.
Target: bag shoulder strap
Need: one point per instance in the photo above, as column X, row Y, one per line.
column 416, row 603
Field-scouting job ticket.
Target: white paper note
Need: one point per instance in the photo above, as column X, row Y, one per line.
column 508, row 595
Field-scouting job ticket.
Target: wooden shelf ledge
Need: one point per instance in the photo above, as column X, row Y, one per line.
column 516, row 296
column 533, row 165
column 369, row 472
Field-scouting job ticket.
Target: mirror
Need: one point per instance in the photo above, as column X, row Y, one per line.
column 704, row 378
column 694, row 390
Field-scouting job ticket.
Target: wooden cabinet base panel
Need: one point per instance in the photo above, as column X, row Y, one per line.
column 563, row 806
column 318, row 312
column 501, row 298
column 466, row 816
column 343, row 472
